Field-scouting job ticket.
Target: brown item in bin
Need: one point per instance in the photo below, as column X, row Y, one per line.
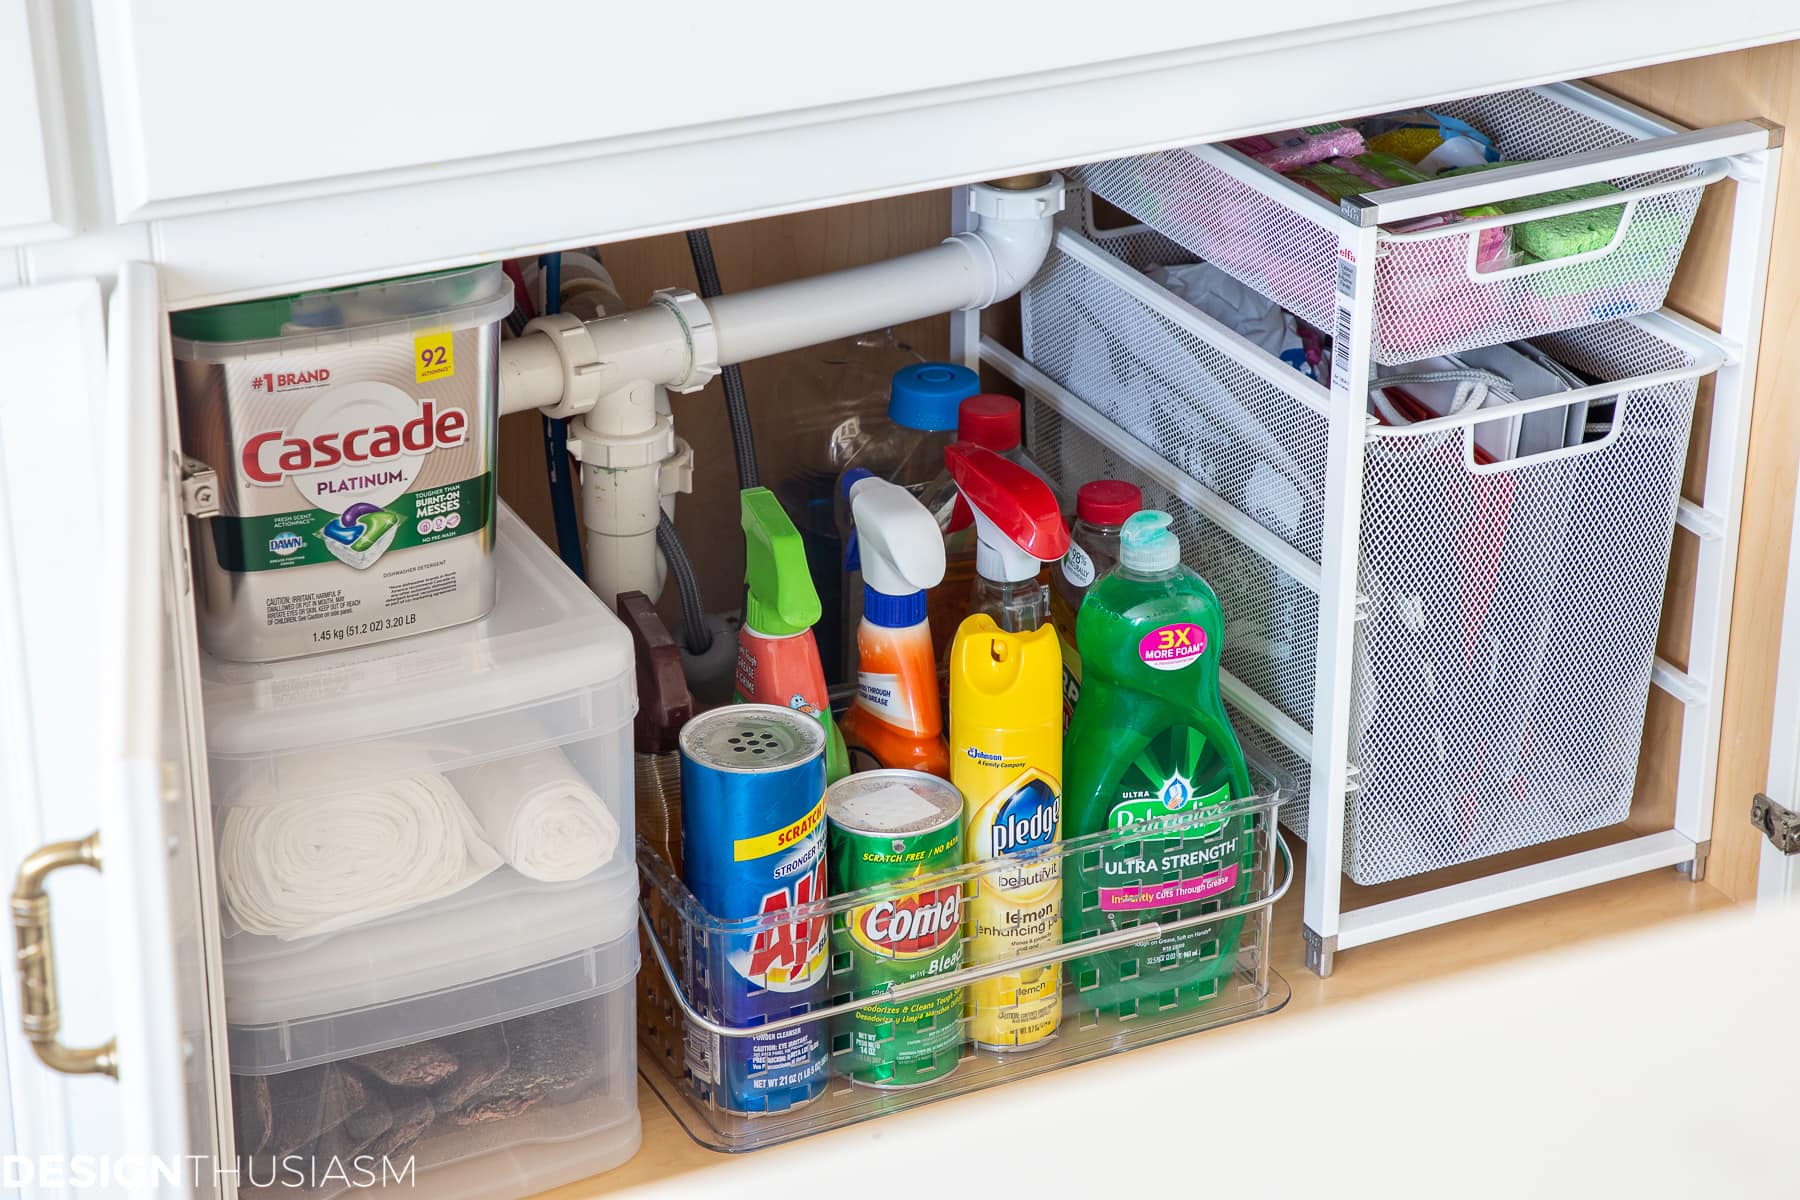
column 551, row 1052
column 481, row 1057
column 379, row 1104
column 250, row 1113
column 369, row 1122
column 421, row 1065
column 555, row 1050
column 501, row 1106
column 332, row 1152
column 304, row 1104
column 412, row 1116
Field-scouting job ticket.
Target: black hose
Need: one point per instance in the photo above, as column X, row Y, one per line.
column 737, row 403
column 562, row 495
column 695, row 633
column 556, row 446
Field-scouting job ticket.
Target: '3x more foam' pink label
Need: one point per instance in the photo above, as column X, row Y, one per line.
column 1172, row 646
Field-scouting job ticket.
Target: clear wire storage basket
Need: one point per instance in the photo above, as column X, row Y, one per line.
column 1176, row 940
column 1509, row 610
column 1439, row 290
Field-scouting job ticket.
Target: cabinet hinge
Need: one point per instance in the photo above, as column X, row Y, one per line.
column 1781, row 825
column 199, row 489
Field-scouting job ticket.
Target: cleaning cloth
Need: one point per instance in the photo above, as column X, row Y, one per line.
column 314, row 864
column 1230, row 303
column 541, row 815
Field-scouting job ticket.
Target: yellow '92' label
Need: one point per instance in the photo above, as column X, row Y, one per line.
column 765, row 844
column 434, row 356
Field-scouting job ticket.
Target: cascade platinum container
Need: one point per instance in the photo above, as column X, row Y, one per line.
column 353, row 434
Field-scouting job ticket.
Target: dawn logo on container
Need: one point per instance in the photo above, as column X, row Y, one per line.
column 285, row 544
column 1176, row 793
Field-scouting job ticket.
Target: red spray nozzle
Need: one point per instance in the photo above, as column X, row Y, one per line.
column 1012, row 506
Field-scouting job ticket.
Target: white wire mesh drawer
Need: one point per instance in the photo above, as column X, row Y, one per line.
column 1504, row 664
column 1432, row 295
column 1511, row 610
column 1271, row 618
column 1244, row 425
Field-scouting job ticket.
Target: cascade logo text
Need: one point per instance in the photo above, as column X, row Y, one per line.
column 270, row 456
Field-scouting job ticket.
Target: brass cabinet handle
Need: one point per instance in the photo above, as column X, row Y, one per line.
column 39, row 1010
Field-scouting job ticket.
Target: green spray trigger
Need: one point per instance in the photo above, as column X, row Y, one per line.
column 782, row 599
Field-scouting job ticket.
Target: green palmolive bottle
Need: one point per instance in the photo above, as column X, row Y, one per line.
column 1150, row 742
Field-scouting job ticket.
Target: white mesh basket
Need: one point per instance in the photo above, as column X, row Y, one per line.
column 1503, row 667
column 1432, row 295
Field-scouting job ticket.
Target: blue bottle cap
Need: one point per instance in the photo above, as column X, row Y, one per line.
column 926, row 396
column 851, row 478
column 892, row 612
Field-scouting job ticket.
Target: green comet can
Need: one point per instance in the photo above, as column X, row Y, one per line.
column 883, row 828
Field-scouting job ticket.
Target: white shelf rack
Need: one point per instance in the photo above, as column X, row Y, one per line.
column 1749, row 154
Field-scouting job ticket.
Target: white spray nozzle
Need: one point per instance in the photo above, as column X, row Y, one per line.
column 902, row 547
column 997, row 556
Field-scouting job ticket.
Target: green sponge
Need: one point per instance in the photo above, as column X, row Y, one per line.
column 1566, row 234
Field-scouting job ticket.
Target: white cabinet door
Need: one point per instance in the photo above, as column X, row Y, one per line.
column 1778, row 874
column 153, row 826
column 34, row 178
column 214, row 104
column 94, row 679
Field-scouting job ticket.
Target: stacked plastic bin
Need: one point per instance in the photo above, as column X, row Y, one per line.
column 429, row 922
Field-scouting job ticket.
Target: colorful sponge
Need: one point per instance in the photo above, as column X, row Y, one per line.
column 1566, row 234
column 1411, row 143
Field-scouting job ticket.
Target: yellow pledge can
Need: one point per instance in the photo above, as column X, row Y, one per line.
column 1006, row 759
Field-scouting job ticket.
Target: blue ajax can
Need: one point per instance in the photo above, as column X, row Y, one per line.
column 753, row 844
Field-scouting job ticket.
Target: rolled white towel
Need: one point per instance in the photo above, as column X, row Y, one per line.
column 541, row 815
column 300, row 867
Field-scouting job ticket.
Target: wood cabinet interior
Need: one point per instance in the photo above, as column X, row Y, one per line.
column 1703, row 91
column 1759, row 82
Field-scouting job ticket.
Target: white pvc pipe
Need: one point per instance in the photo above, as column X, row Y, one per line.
column 530, row 371
column 971, row 270
column 785, row 316
column 606, row 371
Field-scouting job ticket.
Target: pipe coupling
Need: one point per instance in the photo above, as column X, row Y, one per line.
column 583, row 372
column 702, row 340
column 623, row 452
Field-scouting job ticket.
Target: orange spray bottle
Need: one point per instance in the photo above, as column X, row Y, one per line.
column 896, row 719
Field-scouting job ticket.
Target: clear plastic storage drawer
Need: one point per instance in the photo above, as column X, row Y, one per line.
column 550, row 666
column 352, row 786
column 498, row 1089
